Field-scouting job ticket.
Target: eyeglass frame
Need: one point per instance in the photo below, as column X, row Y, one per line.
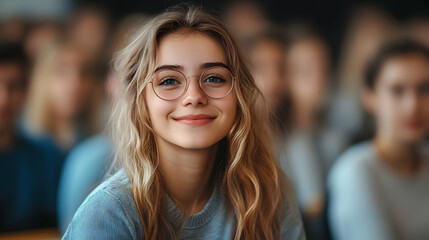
column 199, row 83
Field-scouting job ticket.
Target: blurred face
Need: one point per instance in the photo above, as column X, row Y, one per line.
column 39, row 37
column 71, row 86
column 268, row 60
column 401, row 98
column 194, row 120
column 245, row 20
column 89, row 30
column 11, row 94
column 307, row 73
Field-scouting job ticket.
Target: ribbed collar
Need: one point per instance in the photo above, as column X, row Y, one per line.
column 195, row 220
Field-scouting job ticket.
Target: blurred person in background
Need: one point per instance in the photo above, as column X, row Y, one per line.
column 311, row 144
column 26, row 169
column 367, row 30
column 88, row 28
column 245, row 19
column 64, row 96
column 13, row 30
column 88, row 163
column 39, row 35
column 379, row 189
column 266, row 52
column 418, row 28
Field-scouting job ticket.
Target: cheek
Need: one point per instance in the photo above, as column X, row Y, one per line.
column 425, row 107
column 56, row 92
column 158, row 109
column 389, row 109
column 425, row 112
column 230, row 110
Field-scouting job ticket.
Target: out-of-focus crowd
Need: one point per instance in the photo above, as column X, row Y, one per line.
column 350, row 137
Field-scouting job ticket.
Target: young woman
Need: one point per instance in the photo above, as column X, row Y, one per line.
column 379, row 189
column 196, row 162
column 312, row 144
column 64, row 96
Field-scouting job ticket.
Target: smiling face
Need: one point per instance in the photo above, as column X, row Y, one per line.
column 194, row 120
column 401, row 98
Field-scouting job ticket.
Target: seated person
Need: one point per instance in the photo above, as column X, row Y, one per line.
column 379, row 189
column 27, row 170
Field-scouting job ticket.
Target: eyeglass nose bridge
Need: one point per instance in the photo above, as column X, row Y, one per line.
column 197, row 76
column 188, row 82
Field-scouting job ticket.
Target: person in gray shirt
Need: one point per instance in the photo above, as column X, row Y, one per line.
column 379, row 189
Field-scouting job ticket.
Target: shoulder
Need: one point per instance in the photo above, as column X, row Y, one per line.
column 95, row 146
column 109, row 212
column 356, row 174
column 358, row 159
column 94, row 154
column 292, row 222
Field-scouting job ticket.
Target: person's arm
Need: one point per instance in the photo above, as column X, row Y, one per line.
column 103, row 216
column 355, row 210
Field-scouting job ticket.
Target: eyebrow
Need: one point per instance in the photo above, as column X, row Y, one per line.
column 202, row 66
column 214, row 64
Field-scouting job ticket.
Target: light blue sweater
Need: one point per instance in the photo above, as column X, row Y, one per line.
column 369, row 201
column 110, row 212
column 84, row 168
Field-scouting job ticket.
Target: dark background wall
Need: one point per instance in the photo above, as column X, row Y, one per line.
column 329, row 17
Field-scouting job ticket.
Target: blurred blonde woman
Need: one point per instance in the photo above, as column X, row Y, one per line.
column 195, row 157
column 64, row 96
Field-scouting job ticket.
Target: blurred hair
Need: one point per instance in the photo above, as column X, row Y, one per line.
column 398, row 47
column 270, row 35
column 250, row 179
column 278, row 115
column 296, row 32
column 367, row 30
column 13, row 53
column 38, row 112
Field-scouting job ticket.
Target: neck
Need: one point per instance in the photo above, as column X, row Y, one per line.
column 305, row 118
column 7, row 139
column 64, row 131
column 402, row 158
column 187, row 174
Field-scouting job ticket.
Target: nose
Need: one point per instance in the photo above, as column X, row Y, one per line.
column 194, row 95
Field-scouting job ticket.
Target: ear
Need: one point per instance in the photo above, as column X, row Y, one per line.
column 367, row 98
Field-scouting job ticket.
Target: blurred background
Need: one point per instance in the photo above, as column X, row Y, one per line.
column 57, row 88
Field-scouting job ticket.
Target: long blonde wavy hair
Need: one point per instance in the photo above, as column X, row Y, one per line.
column 253, row 186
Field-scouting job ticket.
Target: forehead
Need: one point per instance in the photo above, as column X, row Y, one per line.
column 267, row 49
column 407, row 69
column 189, row 50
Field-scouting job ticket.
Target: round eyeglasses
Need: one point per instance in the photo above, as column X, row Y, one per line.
column 215, row 82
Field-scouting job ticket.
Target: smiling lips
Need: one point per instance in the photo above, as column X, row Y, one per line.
column 195, row 120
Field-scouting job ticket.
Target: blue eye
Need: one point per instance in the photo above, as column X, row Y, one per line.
column 214, row 79
column 168, row 82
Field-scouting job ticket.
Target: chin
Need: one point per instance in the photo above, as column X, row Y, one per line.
column 414, row 137
column 197, row 144
column 197, row 140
